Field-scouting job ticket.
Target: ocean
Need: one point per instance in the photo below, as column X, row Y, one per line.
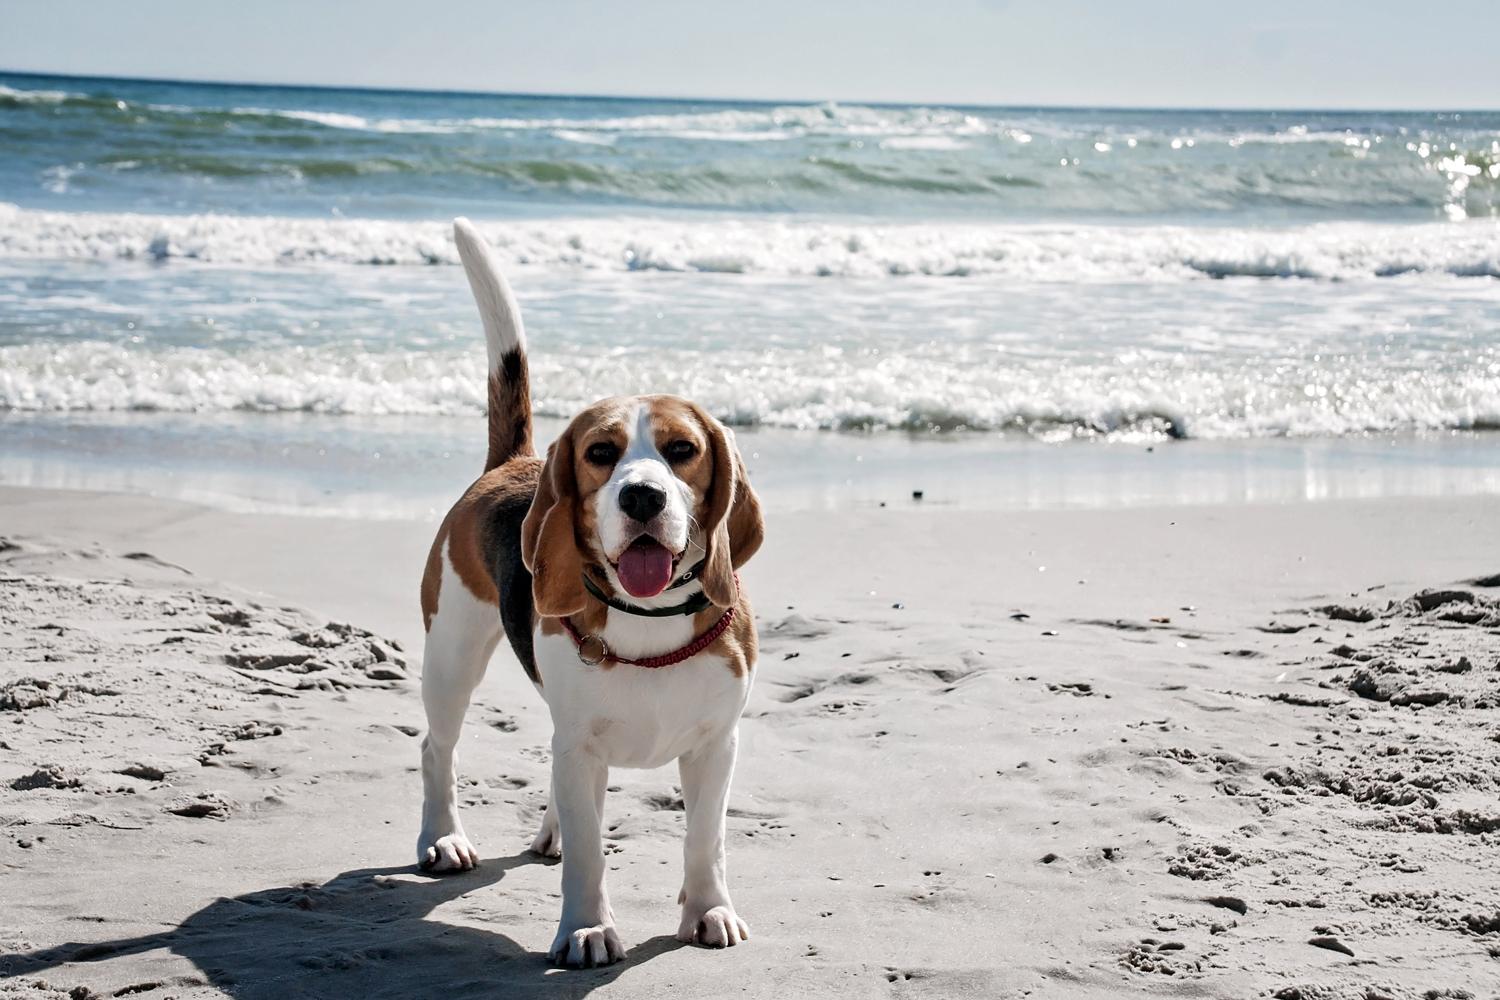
column 248, row 295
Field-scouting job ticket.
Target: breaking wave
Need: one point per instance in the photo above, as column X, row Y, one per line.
column 784, row 387
column 782, row 247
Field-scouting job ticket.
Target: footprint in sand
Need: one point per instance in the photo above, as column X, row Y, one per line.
column 807, row 689
column 1168, row 958
column 947, row 678
column 795, row 628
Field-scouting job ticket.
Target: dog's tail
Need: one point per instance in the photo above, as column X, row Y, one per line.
column 509, row 379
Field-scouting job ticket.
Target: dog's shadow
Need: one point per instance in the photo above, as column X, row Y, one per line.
column 362, row 934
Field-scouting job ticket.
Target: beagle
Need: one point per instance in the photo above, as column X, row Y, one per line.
column 610, row 567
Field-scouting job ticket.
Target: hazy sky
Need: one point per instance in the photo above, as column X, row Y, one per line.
column 1271, row 53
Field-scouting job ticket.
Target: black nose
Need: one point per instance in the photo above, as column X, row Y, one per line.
column 642, row 501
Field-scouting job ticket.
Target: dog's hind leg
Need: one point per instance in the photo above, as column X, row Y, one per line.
column 548, row 840
column 461, row 635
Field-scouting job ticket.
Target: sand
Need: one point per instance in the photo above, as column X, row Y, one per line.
column 1222, row 751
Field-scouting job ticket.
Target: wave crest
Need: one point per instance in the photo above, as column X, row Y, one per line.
column 1343, row 251
column 789, row 388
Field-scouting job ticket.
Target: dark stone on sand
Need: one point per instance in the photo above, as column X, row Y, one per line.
column 1426, row 697
column 1483, row 923
column 1345, row 613
column 1429, row 600
column 1367, row 685
column 51, row 776
column 1332, row 944
column 1228, row 903
column 207, row 805
column 1306, row 700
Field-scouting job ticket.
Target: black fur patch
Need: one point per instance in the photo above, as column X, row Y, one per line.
column 502, row 553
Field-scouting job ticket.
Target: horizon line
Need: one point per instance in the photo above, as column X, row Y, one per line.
column 580, row 96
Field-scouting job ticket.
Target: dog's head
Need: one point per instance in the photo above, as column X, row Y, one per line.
column 642, row 488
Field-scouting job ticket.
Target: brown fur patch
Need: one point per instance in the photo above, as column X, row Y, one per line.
column 432, row 576
column 466, row 543
column 467, row 532
column 552, row 541
column 738, row 644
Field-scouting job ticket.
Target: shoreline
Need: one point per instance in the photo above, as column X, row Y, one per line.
column 411, row 468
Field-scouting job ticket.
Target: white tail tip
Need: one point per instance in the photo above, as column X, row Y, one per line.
column 497, row 304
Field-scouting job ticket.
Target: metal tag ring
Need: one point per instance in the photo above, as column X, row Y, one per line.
column 592, row 650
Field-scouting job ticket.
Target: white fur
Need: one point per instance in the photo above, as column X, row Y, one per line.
column 501, row 316
column 625, row 716
column 460, row 640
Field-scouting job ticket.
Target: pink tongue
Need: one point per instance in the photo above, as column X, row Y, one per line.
column 645, row 569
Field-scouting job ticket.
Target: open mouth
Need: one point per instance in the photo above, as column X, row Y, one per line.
column 646, row 567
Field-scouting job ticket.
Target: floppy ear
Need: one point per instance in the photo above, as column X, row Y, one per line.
column 732, row 526
column 549, row 546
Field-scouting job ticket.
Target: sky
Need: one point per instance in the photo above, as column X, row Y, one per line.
column 1143, row 53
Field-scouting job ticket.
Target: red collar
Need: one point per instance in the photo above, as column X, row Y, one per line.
column 593, row 650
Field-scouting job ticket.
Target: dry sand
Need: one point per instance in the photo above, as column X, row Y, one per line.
column 1192, row 751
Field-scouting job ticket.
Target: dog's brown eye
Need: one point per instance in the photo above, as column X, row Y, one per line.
column 603, row 453
column 680, row 451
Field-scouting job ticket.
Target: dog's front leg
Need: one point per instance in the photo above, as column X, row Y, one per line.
column 586, row 934
column 708, row 916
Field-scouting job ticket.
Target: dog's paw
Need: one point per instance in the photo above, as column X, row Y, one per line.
column 450, row 853
column 582, row 947
column 548, row 840
column 712, row 927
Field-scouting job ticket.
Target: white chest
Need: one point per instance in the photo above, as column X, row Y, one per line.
column 636, row 716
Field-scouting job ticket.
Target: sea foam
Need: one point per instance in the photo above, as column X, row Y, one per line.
column 785, row 247
column 787, row 387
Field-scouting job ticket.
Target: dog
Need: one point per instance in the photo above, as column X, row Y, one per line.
column 611, row 568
